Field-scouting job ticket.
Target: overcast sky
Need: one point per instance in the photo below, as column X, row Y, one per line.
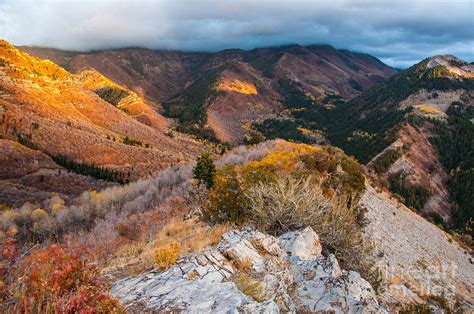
column 399, row 32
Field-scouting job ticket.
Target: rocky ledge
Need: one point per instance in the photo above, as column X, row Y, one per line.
column 251, row 272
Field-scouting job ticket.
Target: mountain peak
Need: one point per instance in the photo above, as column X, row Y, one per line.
column 456, row 66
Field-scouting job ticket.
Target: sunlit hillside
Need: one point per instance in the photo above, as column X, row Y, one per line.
column 46, row 108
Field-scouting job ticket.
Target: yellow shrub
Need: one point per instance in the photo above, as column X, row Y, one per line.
column 39, row 214
column 253, row 288
column 281, row 161
column 167, row 255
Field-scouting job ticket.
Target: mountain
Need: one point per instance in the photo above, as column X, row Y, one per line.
column 414, row 130
column 201, row 90
column 97, row 175
column 84, row 122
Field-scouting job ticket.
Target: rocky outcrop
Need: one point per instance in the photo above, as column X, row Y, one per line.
column 287, row 274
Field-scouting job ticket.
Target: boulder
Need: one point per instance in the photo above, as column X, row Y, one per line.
column 303, row 244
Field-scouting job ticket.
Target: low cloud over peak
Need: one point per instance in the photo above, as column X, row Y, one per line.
column 398, row 32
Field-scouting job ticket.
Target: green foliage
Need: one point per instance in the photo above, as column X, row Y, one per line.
column 279, row 128
column 294, row 97
column 190, row 107
column 89, row 170
column 456, row 63
column 112, row 95
column 130, row 141
column 227, row 202
column 197, row 130
column 438, row 220
column 383, row 163
column 355, row 85
column 437, row 72
column 253, row 137
column 413, row 196
column 265, row 62
column 26, row 140
column 205, row 170
column 455, row 144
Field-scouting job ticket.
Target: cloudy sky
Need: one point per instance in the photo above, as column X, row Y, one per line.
column 399, row 32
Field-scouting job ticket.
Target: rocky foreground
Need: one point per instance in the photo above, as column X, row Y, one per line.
column 254, row 273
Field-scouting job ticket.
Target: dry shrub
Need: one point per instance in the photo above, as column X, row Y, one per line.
column 293, row 203
column 9, row 253
column 244, row 265
column 129, row 229
column 190, row 235
column 293, row 186
column 92, row 207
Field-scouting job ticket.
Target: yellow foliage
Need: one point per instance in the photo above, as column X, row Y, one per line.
column 237, row 86
column 97, row 196
column 167, row 256
column 253, row 288
column 93, row 80
column 56, row 205
column 283, row 161
column 39, row 214
column 428, row 109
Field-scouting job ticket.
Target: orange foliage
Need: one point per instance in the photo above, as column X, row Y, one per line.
column 61, row 116
column 237, row 86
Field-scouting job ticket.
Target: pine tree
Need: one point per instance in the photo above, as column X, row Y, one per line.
column 205, row 170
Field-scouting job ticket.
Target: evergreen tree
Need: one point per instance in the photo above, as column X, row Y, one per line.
column 205, row 170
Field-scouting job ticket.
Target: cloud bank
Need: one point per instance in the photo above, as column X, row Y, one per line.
column 399, row 32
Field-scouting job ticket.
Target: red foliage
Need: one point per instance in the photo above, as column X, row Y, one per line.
column 8, row 255
column 58, row 279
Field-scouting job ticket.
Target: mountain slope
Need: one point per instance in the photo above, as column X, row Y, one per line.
column 122, row 98
column 28, row 175
column 185, row 82
column 416, row 258
column 47, row 109
column 395, row 126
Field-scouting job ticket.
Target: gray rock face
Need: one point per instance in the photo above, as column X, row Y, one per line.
column 290, row 269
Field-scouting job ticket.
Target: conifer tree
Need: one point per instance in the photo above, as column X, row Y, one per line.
column 204, row 170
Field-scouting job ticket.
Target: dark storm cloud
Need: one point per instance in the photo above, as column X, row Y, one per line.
column 399, row 32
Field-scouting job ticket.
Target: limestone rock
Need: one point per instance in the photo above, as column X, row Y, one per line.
column 303, row 244
column 292, row 272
